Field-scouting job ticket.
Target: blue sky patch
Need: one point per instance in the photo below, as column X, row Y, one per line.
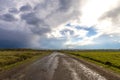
column 91, row 32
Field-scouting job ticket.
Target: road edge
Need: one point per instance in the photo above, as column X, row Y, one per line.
column 20, row 67
column 101, row 70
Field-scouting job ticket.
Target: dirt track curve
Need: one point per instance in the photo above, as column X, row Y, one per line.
column 58, row 66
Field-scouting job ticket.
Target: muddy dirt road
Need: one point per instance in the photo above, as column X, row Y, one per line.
column 58, row 66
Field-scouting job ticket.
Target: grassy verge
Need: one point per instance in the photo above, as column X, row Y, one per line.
column 107, row 59
column 13, row 58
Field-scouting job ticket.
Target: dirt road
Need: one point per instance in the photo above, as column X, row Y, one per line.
column 58, row 66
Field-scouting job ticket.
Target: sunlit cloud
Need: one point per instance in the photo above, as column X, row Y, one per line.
column 94, row 9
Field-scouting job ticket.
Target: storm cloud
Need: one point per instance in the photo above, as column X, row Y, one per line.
column 113, row 14
column 13, row 39
column 13, row 10
column 26, row 8
column 50, row 14
column 8, row 17
column 39, row 16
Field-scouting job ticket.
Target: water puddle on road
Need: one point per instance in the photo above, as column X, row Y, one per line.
column 73, row 72
column 52, row 64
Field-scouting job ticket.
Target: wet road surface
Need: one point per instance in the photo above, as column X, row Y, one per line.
column 57, row 66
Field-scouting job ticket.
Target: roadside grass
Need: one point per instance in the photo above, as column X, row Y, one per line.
column 12, row 58
column 107, row 59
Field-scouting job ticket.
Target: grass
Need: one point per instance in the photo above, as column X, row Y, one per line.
column 107, row 59
column 12, row 58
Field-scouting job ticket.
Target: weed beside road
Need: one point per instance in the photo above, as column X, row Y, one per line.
column 12, row 57
column 108, row 59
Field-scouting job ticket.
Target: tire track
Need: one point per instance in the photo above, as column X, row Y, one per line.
column 81, row 72
column 73, row 72
column 57, row 66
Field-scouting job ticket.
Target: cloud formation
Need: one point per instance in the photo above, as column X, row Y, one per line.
column 26, row 8
column 8, row 17
column 58, row 23
column 14, row 39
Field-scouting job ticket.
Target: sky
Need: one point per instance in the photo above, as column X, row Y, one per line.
column 60, row 24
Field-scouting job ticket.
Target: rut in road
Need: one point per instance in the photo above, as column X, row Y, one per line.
column 56, row 66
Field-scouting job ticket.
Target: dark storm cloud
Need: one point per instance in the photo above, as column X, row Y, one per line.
column 112, row 14
column 39, row 17
column 40, row 31
column 67, row 10
column 67, row 4
column 54, row 12
column 13, row 10
column 13, row 39
column 30, row 18
column 26, row 8
column 8, row 17
column 40, row 27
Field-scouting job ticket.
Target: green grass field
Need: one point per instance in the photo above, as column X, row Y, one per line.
column 12, row 58
column 107, row 59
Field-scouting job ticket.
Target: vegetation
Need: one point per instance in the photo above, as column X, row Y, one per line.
column 107, row 58
column 12, row 57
